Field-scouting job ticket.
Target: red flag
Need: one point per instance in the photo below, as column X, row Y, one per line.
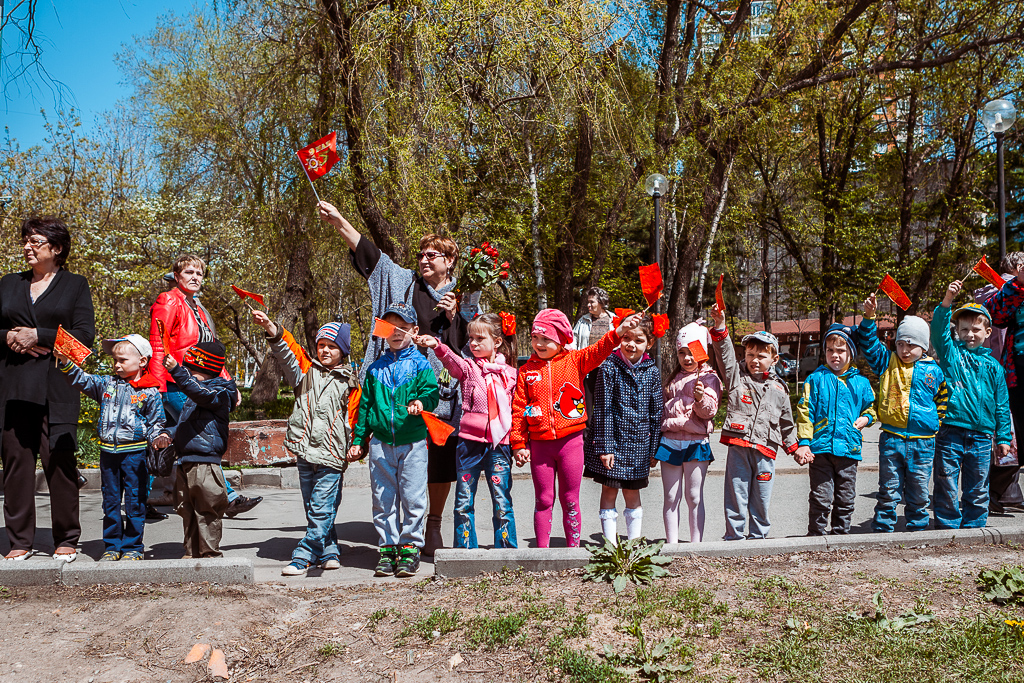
column 382, row 328
column 651, row 283
column 892, row 289
column 660, row 324
column 165, row 336
column 697, row 351
column 258, row 298
column 620, row 315
column 70, row 347
column 439, row 431
column 719, row 296
column 983, row 269
column 318, row 158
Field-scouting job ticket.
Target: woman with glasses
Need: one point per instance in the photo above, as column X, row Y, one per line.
column 38, row 407
column 431, row 292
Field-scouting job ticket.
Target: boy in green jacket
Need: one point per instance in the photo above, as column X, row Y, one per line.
column 398, row 387
column 979, row 407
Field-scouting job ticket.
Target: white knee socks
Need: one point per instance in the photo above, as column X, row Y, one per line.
column 609, row 527
column 634, row 517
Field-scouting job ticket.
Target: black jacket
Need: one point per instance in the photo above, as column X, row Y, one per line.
column 66, row 302
column 201, row 434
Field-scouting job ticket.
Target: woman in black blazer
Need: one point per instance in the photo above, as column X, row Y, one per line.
column 38, row 407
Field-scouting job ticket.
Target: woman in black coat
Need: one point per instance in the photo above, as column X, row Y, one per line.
column 38, row 407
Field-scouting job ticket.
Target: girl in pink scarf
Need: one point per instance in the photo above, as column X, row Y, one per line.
column 487, row 385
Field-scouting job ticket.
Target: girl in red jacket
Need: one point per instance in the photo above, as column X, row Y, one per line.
column 549, row 416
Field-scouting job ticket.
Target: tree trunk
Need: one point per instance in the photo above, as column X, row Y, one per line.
column 766, row 277
column 573, row 226
column 711, row 235
column 538, row 263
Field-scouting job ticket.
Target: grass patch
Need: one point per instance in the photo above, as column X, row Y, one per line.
column 439, row 620
column 568, row 664
column 493, row 632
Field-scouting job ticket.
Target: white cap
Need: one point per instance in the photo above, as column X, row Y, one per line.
column 136, row 340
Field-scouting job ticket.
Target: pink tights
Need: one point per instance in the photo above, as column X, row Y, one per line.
column 689, row 477
column 564, row 458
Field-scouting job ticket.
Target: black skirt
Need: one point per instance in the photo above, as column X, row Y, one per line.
column 629, row 485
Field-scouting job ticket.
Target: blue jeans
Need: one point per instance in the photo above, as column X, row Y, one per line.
column 904, row 469
column 123, row 475
column 960, row 451
column 749, row 476
column 496, row 463
column 174, row 400
column 398, row 478
column 321, row 497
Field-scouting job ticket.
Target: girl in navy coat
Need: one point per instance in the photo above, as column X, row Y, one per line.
column 625, row 429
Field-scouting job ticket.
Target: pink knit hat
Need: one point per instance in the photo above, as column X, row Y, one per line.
column 553, row 324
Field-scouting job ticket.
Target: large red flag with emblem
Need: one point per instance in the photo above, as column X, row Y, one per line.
column 70, row 347
column 317, row 158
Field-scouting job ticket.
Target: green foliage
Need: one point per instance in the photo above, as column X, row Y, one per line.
column 494, row 632
column 577, row 667
column 635, row 561
column 910, row 619
column 1003, row 586
column 439, row 620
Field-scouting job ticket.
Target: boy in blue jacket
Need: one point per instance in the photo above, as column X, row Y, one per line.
column 912, row 395
column 979, row 407
column 835, row 405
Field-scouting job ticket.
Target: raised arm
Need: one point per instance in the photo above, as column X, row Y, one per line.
column 201, row 394
column 330, row 213
column 458, row 366
column 281, row 345
column 721, row 343
column 866, row 336
column 90, row 385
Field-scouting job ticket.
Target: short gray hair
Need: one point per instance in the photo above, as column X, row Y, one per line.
column 602, row 296
column 1014, row 260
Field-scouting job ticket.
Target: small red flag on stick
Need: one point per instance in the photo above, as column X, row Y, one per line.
column 719, row 296
column 70, row 347
column 258, row 298
column 165, row 336
column 659, row 324
column 651, row 283
column 620, row 315
column 439, row 431
column 892, row 289
column 318, row 157
column 983, row 269
column 697, row 351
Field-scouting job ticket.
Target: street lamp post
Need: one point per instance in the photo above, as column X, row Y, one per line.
column 655, row 185
column 998, row 117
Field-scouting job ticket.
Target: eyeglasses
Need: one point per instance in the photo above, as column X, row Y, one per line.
column 34, row 242
column 430, row 255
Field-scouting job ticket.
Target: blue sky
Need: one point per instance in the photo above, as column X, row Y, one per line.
column 79, row 39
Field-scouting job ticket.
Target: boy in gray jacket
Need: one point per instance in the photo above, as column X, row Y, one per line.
column 758, row 420
column 318, row 432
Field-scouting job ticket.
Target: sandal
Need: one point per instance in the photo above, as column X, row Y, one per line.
column 68, row 556
column 21, row 555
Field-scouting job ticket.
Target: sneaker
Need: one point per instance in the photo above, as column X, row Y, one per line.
column 154, row 515
column 296, row 568
column 331, row 564
column 110, row 556
column 408, row 561
column 242, row 504
column 388, row 559
column 131, row 556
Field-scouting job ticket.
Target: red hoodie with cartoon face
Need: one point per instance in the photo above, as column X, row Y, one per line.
column 548, row 403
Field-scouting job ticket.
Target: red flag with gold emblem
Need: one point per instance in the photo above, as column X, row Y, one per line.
column 892, row 289
column 317, row 158
column 70, row 347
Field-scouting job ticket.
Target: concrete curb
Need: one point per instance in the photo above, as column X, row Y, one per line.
column 221, row 570
column 458, row 563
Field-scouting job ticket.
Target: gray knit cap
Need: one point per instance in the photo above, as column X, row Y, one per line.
column 913, row 330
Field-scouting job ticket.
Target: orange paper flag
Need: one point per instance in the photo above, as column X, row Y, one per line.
column 697, row 351
column 660, row 324
column 892, row 289
column 70, row 347
column 439, row 431
column 382, row 328
column 620, row 315
column 165, row 336
column 983, row 269
column 651, row 283
column 258, row 298
column 719, row 296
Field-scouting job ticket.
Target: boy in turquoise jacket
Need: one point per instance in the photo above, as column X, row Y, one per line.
column 979, row 407
column 835, row 405
column 398, row 387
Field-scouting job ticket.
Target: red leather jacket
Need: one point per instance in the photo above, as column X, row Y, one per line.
column 182, row 328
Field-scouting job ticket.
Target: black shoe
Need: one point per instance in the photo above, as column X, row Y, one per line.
column 242, row 504
column 82, row 481
column 153, row 514
column 386, row 565
column 408, row 561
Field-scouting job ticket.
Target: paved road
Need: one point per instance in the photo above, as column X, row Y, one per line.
column 268, row 533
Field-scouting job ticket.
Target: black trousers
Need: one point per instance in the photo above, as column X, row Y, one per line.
column 833, row 487
column 1003, row 488
column 26, row 434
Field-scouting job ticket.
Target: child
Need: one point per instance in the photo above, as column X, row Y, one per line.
column 691, row 394
column 912, row 397
column 487, row 384
column 200, row 439
column 979, row 407
column 835, row 405
column 398, row 387
column 620, row 444
column 758, row 421
column 317, row 434
column 549, row 416
column 131, row 416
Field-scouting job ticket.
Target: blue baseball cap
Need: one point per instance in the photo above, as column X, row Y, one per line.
column 976, row 309
column 762, row 336
column 403, row 311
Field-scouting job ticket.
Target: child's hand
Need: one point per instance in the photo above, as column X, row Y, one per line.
column 415, row 407
column 698, row 391
column 426, row 341
column 631, row 322
column 951, row 292
column 522, row 456
column 718, row 316
column 654, row 463
column 169, row 362
column 1004, row 449
column 803, row 455
column 869, row 306
column 161, row 442
column 861, row 422
column 355, row 453
column 264, row 321
column 64, row 360
column 608, row 460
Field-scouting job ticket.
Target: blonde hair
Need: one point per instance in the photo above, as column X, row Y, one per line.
column 189, row 260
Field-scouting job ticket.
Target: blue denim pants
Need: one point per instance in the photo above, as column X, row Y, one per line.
column 960, row 453
column 749, row 477
column 321, row 497
column 123, row 475
column 904, row 470
column 496, row 464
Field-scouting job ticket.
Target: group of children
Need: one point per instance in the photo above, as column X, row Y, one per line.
column 941, row 413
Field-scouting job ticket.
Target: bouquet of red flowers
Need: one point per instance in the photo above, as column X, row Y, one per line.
column 480, row 269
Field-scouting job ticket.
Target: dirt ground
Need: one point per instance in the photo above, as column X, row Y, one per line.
column 728, row 617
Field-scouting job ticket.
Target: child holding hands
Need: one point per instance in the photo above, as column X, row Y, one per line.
column 549, row 415
column 691, row 396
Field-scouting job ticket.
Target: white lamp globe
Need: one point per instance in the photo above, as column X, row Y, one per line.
column 998, row 116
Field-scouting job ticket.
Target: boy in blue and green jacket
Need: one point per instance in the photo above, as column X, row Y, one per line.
column 398, row 387
column 979, row 407
column 835, row 405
